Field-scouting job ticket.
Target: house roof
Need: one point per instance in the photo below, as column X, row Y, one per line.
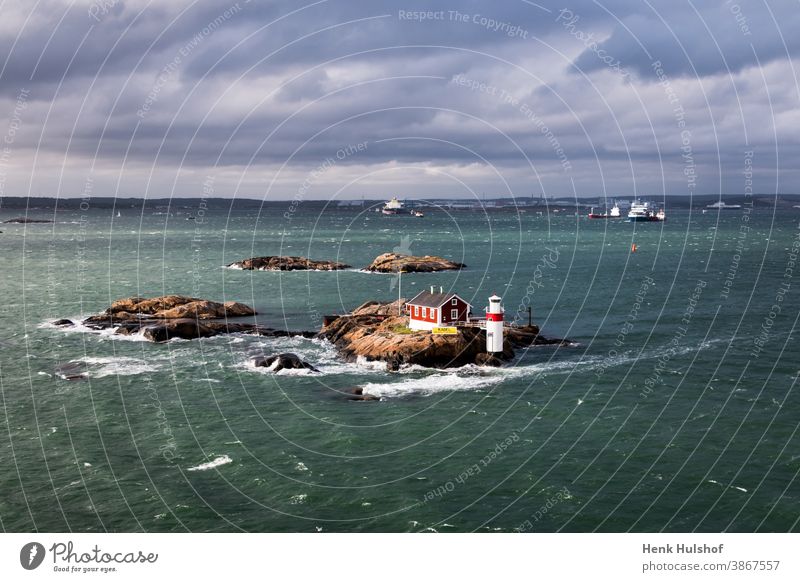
column 428, row 299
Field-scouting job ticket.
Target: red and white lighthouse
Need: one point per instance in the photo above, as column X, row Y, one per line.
column 494, row 325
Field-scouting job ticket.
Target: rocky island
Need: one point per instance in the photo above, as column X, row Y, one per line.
column 163, row 318
column 374, row 331
column 394, row 262
column 278, row 263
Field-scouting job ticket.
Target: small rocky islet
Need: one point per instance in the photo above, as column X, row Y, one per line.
column 385, row 263
column 396, row 262
column 161, row 319
column 284, row 263
column 374, row 331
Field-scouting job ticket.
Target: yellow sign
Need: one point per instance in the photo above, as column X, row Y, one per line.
column 444, row 331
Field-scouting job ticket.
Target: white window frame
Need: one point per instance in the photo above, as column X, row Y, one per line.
column 424, row 313
column 416, row 311
column 454, row 301
column 454, row 314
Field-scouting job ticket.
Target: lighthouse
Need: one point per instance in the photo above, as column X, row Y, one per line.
column 494, row 325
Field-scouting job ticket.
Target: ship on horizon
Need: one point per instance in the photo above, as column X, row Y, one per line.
column 720, row 205
column 642, row 212
column 613, row 213
column 393, row 206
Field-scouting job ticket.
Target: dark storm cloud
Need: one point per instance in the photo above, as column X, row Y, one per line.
column 570, row 89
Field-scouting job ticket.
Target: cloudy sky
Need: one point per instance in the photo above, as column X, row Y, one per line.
column 344, row 99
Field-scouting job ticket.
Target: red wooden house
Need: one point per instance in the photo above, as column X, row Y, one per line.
column 428, row 310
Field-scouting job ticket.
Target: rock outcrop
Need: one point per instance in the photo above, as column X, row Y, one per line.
column 287, row 264
column 357, row 394
column 178, row 306
column 280, row 362
column 394, row 262
column 375, row 332
column 160, row 319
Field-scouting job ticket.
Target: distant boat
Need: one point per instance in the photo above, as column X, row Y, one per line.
column 393, row 206
column 613, row 213
column 641, row 212
column 119, row 214
column 417, row 213
column 722, row 206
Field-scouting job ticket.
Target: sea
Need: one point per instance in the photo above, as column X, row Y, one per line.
column 674, row 406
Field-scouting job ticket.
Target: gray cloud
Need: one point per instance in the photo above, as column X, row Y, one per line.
column 248, row 88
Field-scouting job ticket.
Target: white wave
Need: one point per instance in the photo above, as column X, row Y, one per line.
column 117, row 366
column 218, row 462
column 78, row 327
column 738, row 488
column 270, row 370
column 374, row 365
column 440, row 382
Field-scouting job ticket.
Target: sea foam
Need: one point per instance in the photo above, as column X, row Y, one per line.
column 218, row 462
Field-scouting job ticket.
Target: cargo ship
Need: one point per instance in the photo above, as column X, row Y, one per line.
column 613, row 213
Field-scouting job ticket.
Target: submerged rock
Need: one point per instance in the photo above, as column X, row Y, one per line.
column 358, row 395
column 74, row 370
column 63, row 322
column 278, row 263
column 282, row 362
column 394, row 262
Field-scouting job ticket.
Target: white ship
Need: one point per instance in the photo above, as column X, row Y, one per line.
column 722, row 206
column 642, row 212
column 394, row 206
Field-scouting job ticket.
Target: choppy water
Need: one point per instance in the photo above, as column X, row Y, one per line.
column 661, row 418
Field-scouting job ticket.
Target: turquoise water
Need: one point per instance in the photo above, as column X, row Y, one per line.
column 664, row 414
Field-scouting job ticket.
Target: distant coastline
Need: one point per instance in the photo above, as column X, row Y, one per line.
column 17, row 203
